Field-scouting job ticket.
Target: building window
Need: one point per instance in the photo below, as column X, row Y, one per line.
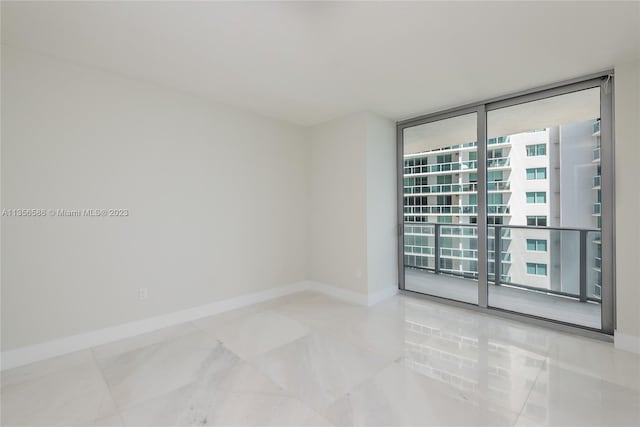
column 494, row 199
column 537, row 150
column 494, row 154
column 444, row 158
column 493, row 176
column 537, row 245
column 444, row 200
column 473, row 177
column 444, row 179
column 536, row 173
column 537, row 221
column 536, row 269
column 494, row 220
column 537, row 197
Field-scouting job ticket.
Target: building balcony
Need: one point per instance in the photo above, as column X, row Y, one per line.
column 446, row 230
column 455, row 210
column 596, row 155
column 454, row 167
column 596, row 128
column 499, row 140
column 498, row 162
column 596, row 182
column 443, row 269
column 467, row 187
column 470, row 187
column 499, row 186
column 460, row 286
column 597, row 207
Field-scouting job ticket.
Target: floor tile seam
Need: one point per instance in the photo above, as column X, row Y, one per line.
column 358, row 384
column 106, row 383
column 526, row 400
column 36, row 377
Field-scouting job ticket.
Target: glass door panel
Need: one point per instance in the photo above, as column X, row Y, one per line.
column 543, row 208
column 440, row 208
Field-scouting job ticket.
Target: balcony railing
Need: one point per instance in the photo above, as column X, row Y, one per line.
column 597, row 207
column 499, row 186
column 441, row 167
column 498, row 162
column 596, row 155
column 462, row 166
column 467, row 187
column 596, row 182
column 430, row 243
column 456, row 210
column 596, row 127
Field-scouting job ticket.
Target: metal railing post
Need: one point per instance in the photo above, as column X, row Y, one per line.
column 497, row 250
column 583, row 265
column 436, row 235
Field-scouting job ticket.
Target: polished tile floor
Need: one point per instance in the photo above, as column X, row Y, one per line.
column 308, row 359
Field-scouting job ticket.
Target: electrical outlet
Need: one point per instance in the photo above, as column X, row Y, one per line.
column 143, row 294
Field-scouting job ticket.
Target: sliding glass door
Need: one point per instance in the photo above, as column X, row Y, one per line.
column 440, row 208
column 507, row 204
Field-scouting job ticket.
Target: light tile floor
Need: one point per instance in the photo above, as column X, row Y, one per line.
column 308, row 359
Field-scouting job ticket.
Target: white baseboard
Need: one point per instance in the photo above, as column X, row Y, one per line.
column 626, row 342
column 382, row 295
column 34, row 353
column 339, row 293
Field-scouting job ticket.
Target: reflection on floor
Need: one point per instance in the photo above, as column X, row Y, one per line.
column 310, row 360
column 508, row 298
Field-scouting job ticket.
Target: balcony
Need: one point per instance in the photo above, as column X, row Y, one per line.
column 596, row 128
column 470, row 187
column 596, row 182
column 427, row 230
column 455, row 210
column 467, row 187
column 499, row 186
column 597, row 207
column 499, row 140
column 499, row 162
column 453, row 167
column 442, row 259
column 457, row 287
column 596, row 155
column 440, row 168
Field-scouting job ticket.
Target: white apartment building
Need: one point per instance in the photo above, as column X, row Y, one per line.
column 525, row 174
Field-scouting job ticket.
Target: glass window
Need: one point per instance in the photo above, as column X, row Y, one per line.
column 537, row 245
column 537, row 221
column 494, row 199
column 444, row 179
column 536, row 269
column 536, row 173
column 495, row 176
column 536, row 150
column 536, row 197
column 444, row 158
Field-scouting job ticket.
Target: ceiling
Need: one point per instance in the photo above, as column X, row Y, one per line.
column 309, row 62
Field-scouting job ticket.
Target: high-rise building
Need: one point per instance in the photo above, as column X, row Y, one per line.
column 525, row 174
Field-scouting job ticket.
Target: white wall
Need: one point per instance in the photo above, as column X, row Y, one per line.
column 382, row 216
column 352, row 225
column 627, row 139
column 337, row 216
column 217, row 200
